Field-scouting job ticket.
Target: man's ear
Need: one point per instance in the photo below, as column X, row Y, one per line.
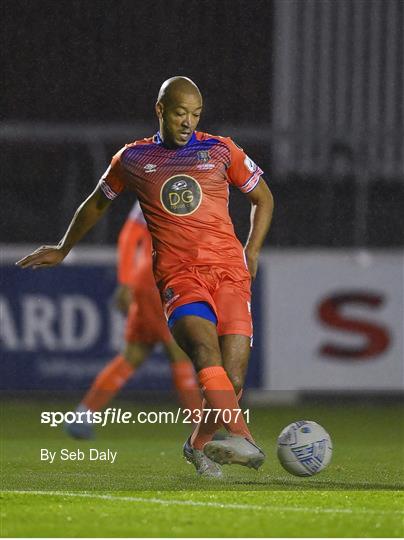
column 159, row 110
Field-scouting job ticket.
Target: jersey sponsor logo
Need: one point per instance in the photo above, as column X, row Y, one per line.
column 180, row 185
column 251, row 166
column 150, row 168
column 181, row 195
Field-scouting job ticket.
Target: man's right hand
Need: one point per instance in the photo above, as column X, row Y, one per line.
column 85, row 217
column 42, row 257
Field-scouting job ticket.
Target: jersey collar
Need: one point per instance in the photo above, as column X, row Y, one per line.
column 159, row 140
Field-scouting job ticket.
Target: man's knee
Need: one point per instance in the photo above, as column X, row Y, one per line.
column 198, row 338
column 204, row 354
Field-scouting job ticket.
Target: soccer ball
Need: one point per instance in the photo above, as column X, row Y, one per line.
column 304, row 448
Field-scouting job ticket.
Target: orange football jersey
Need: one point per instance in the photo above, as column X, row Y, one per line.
column 184, row 194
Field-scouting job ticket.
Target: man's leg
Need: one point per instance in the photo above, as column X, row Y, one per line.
column 235, row 350
column 236, row 354
column 107, row 384
column 115, row 375
column 195, row 326
column 184, row 377
column 243, row 451
column 198, row 338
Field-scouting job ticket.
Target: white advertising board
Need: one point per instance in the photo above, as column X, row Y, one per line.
column 333, row 320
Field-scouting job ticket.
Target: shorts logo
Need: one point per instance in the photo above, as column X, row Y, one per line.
column 168, row 294
column 169, row 297
column 181, row 195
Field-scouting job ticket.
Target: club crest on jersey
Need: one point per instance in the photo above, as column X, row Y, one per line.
column 181, row 195
column 203, row 159
column 203, row 155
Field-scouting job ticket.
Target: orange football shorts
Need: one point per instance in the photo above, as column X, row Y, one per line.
column 146, row 322
column 226, row 290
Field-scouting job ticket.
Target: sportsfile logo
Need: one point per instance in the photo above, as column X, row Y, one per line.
column 113, row 415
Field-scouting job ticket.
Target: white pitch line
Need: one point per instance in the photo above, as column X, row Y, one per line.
column 223, row 506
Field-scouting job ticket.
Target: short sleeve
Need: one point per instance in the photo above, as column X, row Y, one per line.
column 242, row 171
column 112, row 181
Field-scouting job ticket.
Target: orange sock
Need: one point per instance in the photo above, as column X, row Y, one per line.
column 219, row 394
column 107, row 383
column 186, row 385
column 205, row 430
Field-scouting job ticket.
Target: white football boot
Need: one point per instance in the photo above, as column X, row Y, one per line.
column 235, row 450
column 203, row 465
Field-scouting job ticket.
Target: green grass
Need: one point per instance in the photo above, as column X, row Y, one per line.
column 150, row 490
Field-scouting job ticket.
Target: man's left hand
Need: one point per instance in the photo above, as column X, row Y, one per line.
column 252, row 262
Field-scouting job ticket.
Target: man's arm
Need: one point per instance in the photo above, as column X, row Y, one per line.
column 86, row 216
column 262, row 205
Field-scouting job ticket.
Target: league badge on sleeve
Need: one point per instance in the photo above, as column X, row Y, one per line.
column 249, row 163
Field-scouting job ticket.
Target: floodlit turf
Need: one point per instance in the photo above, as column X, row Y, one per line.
column 150, row 490
column 217, row 514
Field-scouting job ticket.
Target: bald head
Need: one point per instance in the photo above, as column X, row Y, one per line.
column 174, row 88
column 178, row 108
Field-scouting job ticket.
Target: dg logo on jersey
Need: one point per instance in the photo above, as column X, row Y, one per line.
column 181, row 195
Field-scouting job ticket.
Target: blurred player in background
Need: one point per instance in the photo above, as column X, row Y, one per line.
column 146, row 326
column 181, row 178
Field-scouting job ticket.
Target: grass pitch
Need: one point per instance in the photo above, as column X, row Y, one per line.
column 151, row 492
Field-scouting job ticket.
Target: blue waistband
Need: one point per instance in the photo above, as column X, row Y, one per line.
column 200, row 309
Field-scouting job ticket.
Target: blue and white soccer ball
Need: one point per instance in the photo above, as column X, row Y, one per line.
column 304, row 448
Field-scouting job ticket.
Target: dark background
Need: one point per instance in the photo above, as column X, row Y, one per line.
column 78, row 75
column 104, row 60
